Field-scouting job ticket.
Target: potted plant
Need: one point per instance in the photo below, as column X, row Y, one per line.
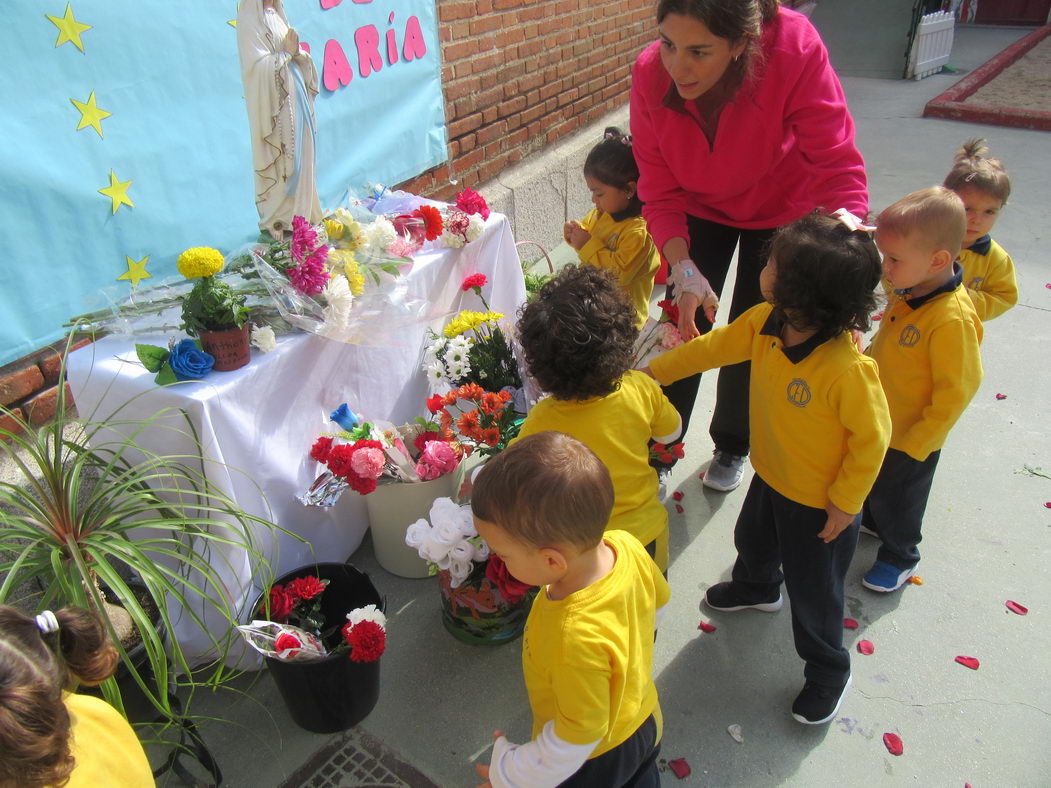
column 92, row 508
column 213, row 310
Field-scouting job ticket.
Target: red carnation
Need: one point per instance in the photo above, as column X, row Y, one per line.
column 361, row 484
column 474, row 280
column 470, row 201
column 339, row 460
column 306, row 587
column 321, row 448
column 670, row 310
column 281, row 604
column 510, row 587
column 432, row 218
column 287, row 641
column 367, row 640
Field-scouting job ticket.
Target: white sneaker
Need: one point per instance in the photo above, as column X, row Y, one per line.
column 725, row 471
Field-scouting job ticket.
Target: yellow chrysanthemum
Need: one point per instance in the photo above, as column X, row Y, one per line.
column 469, row 321
column 334, row 229
column 343, row 261
column 199, row 261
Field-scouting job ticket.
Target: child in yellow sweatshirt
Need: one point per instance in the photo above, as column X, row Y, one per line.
column 614, row 235
column 820, row 427
column 927, row 348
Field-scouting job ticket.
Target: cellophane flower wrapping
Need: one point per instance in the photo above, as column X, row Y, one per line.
column 282, row 641
column 657, row 335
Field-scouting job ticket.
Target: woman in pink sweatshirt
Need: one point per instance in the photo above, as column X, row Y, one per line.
column 739, row 126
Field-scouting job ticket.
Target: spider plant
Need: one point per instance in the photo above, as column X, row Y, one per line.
column 92, row 504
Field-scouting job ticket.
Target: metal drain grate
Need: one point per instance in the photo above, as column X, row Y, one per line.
column 356, row 760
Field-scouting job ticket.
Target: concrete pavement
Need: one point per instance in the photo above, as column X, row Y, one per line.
column 987, row 540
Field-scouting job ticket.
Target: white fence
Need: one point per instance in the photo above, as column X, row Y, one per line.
column 932, row 45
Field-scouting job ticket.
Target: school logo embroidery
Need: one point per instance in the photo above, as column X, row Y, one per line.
column 799, row 393
column 909, row 337
column 975, row 283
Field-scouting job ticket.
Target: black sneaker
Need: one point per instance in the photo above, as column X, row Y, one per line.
column 727, row 598
column 818, row 703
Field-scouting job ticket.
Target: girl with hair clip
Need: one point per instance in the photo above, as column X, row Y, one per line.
column 614, row 235
column 821, row 427
column 50, row 736
column 988, row 271
column 739, row 126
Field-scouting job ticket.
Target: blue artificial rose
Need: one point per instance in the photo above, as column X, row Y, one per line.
column 189, row 362
column 344, row 417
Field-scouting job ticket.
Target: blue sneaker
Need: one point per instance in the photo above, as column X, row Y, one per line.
column 885, row 578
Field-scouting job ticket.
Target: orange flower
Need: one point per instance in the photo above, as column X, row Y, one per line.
column 490, row 436
column 491, row 403
column 467, row 422
column 432, row 219
column 470, row 391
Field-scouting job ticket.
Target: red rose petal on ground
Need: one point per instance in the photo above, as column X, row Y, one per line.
column 1001, row 396
column 677, row 495
column 679, row 509
column 892, row 742
column 865, row 647
column 850, row 623
column 1047, row 504
column 705, row 627
column 969, row 662
column 1048, row 285
column 1014, row 607
column 700, row 475
column 680, row 767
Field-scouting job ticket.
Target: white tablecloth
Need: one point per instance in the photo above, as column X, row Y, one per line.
column 261, row 420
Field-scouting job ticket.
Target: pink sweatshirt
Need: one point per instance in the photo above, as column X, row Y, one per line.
column 784, row 144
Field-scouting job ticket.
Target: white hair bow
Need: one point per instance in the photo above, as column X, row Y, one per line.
column 852, row 222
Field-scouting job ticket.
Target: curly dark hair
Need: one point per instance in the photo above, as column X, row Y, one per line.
column 826, row 275
column 578, row 334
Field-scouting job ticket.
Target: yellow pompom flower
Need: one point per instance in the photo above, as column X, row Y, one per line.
column 200, row 261
column 343, row 260
column 334, row 229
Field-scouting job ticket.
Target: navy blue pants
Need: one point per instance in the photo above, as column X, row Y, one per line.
column 895, row 506
column 712, row 246
column 776, row 540
column 631, row 764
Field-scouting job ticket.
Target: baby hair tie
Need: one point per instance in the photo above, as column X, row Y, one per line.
column 47, row 622
column 852, row 222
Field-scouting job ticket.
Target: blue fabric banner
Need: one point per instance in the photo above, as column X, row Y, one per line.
column 126, row 136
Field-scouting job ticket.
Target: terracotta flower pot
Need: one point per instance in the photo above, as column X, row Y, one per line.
column 230, row 348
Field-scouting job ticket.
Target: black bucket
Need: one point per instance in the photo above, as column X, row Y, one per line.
column 333, row 693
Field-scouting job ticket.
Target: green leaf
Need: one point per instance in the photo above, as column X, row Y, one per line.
column 151, row 356
column 166, row 375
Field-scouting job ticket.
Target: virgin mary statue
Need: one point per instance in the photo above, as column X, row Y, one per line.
column 280, row 83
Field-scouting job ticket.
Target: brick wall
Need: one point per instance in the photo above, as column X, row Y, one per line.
column 519, row 74
column 28, row 387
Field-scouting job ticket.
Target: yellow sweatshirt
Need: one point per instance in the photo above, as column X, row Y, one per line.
column 626, row 249
column 927, row 349
column 989, row 276
column 819, row 420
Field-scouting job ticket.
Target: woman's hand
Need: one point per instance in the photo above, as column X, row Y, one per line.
column 692, row 290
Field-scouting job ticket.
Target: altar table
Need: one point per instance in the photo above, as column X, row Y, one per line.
column 259, row 422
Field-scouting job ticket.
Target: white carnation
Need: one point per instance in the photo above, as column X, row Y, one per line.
column 381, row 234
column 367, row 613
column 263, row 338
column 475, row 228
column 453, row 240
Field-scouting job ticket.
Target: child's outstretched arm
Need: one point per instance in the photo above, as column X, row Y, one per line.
column 546, row 760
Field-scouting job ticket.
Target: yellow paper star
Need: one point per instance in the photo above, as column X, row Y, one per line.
column 69, row 29
column 90, row 114
column 231, row 22
column 136, row 270
column 117, row 191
